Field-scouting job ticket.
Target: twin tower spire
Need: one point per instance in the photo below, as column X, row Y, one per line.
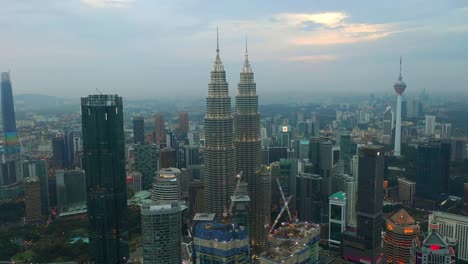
column 218, row 64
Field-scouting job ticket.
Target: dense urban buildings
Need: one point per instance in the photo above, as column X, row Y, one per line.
column 400, row 87
column 248, row 153
column 401, row 230
column 365, row 243
column 161, row 227
column 106, row 190
column 219, row 142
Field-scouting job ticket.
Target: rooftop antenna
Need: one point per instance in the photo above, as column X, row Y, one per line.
column 400, row 77
column 98, row 91
column 217, row 41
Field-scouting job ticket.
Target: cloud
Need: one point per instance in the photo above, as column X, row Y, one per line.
column 327, row 19
column 312, row 58
column 108, row 3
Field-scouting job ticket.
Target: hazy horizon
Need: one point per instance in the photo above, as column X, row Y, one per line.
column 159, row 49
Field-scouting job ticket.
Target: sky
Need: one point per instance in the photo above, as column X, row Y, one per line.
column 153, row 49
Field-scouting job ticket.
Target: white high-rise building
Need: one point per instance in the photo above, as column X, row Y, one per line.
column 399, row 87
column 430, row 125
column 455, row 227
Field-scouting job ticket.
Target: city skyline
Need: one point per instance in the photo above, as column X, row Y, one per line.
column 114, row 45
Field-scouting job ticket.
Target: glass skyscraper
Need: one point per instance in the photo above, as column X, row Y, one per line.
column 106, row 190
column 10, row 167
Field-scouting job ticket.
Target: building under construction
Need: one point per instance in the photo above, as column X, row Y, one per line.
column 293, row 243
column 220, row 243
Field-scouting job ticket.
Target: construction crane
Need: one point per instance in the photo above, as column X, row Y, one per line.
column 227, row 215
column 283, row 197
column 285, row 206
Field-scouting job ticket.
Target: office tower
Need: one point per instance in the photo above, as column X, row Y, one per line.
column 454, row 227
column 262, row 216
column 347, row 184
column 337, row 218
column 10, row 165
column 433, row 171
column 146, row 162
column 166, row 186
column 400, row 233
column 8, row 111
column 277, row 153
column 167, row 158
column 247, row 141
column 447, row 131
column 406, row 191
column 284, row 171
column 71, row 190
column 312, row 128
column 399, row 87
column 184, row 122
column 303, row 149
column 58, row 152
column 159, row 129
column 430, row 125
column 285, row 136
column 325, row 165
column 69, row 141
column 220, row 243
column 365, row 244
column 106, row 190
column 459, row 149
column 161, row 226
column 432, row 248
column 134, row 183
column 387, row 126
column 192, row 156
column 219, row 156
column 196, row 198
column 138, row 130
column 41, row 173
column 465, row 197
column 32, row 200
column 293, row 243
column 346, row 149
column 52, row 187
column 308, row 197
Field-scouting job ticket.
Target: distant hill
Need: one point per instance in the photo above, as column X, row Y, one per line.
column 42, row 102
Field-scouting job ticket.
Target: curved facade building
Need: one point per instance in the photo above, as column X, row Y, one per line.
column 166, row 186
column 401, row 230
column 219, row 154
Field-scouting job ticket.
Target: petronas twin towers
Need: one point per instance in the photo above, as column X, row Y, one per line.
column 233, row 145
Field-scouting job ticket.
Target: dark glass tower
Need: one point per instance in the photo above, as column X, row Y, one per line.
column 219, row 142
column 248, row 154
column 365, row 244
column 10, row 167
column 106, row 190
column 139, row 130
column 433, row 169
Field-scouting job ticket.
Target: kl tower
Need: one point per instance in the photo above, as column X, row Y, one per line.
column 399, row 87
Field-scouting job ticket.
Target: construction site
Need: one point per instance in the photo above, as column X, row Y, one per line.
column 293, row 243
